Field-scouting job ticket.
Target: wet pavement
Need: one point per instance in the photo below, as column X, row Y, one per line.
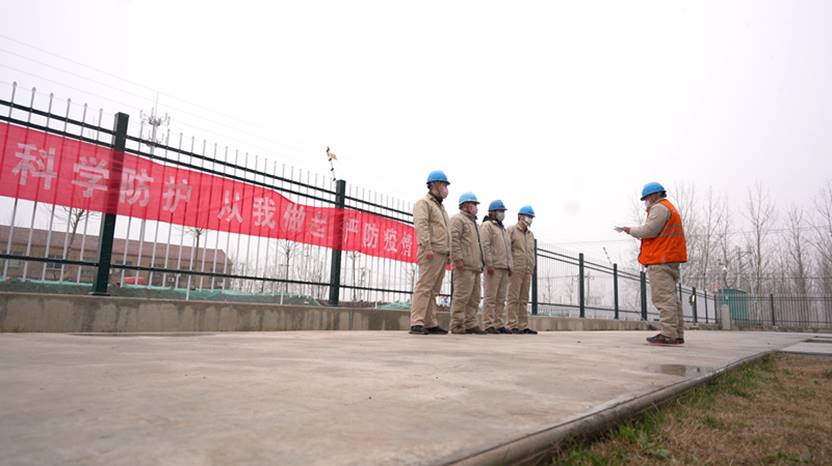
column 325, row 397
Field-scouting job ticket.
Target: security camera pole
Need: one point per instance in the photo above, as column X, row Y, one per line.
column 331, row 156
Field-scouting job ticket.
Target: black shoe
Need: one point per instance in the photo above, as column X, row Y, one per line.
column 436, row 331
column 491, row 330
column 503, row 330
column 475, row 331
column 516, row 331
column 418, row 330
column 665, row 340
column 529, row 331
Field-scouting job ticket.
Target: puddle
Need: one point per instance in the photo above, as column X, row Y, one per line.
column 679, row 370
column 160, row 335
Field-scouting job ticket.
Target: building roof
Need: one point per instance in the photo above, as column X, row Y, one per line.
column 56, row 244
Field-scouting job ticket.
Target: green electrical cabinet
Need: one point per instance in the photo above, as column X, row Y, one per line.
column 737, row 301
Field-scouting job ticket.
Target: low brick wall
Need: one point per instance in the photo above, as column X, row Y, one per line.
column 23, row 312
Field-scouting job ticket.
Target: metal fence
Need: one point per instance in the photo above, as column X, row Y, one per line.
column 51, row 248
column 782, row 312
column 56, row 248
column 573, row 286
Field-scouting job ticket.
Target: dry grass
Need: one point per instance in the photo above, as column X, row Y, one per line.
column 776, row 411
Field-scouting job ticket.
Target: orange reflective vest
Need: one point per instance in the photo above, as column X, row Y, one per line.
column 670, row 246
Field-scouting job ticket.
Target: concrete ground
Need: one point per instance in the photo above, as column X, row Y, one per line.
column 818, row 345
column 323, row 397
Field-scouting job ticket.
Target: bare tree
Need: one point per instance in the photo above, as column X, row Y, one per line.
column 288, row 252
column 780, row 277
column 638, row 215
column 317, row 274
column 196, row 234
column 588, row 286
column 761, row 215
column 823, row 237
column 570, row 284
column 72, row 217
column 796, row 246
column 629, row 291
column 684, row 195
column 713, row 218
column 353, row 257
column 548, row 291
column 724, row 246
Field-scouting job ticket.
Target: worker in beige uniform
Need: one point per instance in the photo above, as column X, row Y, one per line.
column 466, row 256
column 434, row 242
column 663, row 248
column 523, row 260
column 496, row 253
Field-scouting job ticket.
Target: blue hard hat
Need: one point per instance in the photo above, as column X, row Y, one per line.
column 496, row 205
column 468, row 197
column 527, row 211
column 651, row 188
column 437, row 175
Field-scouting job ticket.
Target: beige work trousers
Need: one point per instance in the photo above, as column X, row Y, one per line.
column 494, row 307
column 465, row 303
column 431, row 272
column 518, row 299
column 664, row 293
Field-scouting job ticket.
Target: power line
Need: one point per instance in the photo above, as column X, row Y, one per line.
column 203, row 130
column 69, row 87
column 71, row 73
column 11, row 39
column 135, row 83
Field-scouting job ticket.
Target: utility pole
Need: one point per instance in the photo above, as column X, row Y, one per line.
column 154, row 122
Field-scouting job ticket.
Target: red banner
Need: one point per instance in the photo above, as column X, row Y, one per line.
column 42, row 167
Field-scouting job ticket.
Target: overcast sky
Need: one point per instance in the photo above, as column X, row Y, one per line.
column 568, row 106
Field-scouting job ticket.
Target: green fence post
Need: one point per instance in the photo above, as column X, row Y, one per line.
column 615, row 289
column 534, row 282
column 643, row 282
column 335, row 267
column 581, row 303
column 108, row 223
column 706, row 305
